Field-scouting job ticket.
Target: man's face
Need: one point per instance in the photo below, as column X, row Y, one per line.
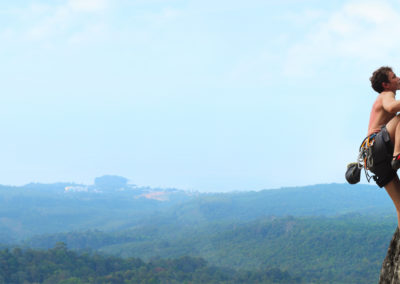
column 394, row 82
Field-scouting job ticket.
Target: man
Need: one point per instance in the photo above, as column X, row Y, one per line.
column 384, row 127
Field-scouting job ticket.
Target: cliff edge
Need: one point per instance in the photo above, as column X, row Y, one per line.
column 390, row 272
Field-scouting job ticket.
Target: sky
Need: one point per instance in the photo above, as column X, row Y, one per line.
column 210, row 96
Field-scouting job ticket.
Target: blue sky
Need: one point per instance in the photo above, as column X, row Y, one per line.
column 199, row 95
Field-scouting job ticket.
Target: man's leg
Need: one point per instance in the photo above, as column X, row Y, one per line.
column 393, row 128
column 393, row 189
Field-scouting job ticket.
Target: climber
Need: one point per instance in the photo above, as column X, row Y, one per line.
column 384, row 127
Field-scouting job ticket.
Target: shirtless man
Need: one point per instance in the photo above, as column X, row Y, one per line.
column 385, row 124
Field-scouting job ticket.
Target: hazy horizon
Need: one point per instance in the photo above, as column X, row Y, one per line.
column 131, row 183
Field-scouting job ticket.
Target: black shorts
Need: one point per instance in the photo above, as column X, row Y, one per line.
column 382, row 154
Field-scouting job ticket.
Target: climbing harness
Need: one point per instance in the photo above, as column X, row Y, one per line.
column 365, row 158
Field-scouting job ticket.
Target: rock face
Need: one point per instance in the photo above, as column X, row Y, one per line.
column 390, row 272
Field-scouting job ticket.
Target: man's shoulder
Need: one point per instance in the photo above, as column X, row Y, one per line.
column 387, row 94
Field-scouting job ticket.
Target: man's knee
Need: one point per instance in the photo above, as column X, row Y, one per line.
column 393, row 188
column 391, row 126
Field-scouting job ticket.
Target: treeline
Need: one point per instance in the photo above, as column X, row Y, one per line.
column 60, row 265
column 345, row 249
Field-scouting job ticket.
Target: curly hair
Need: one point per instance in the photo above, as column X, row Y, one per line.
column 380, row 76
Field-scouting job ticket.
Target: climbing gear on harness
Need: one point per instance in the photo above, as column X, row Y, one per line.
column 364, row 160
column 365, row 157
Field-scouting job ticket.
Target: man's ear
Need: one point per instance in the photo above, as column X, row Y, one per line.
column 385, row 85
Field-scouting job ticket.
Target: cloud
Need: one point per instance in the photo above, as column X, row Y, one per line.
column 161, row 17
column 304, row 17
column 359, row 31
column 47, row 24
column 87, row 5
column 90, row 31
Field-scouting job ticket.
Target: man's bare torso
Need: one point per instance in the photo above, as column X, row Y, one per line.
column 379, row 116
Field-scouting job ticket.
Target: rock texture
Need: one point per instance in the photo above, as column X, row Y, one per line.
column 390, row 272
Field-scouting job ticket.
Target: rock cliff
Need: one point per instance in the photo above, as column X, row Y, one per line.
column 390, row 272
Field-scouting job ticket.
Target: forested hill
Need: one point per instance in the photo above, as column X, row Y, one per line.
column 347, row 249
column 317, row 200
column 59, row 265
column 316, row 233
column 50, row 208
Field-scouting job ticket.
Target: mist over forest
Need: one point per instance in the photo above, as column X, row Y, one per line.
column 320, row 233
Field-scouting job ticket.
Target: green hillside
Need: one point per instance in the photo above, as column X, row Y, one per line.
column 343, row 249
column 46, row 209
column 59, row 265
column 318, row 233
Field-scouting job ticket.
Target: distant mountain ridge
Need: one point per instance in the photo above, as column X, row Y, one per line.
column 51, row 208
column 316, row 200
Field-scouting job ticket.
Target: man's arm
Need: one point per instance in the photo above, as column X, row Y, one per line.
column 389, row 103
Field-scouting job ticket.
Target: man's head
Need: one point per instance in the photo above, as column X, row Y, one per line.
column 381, row 78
